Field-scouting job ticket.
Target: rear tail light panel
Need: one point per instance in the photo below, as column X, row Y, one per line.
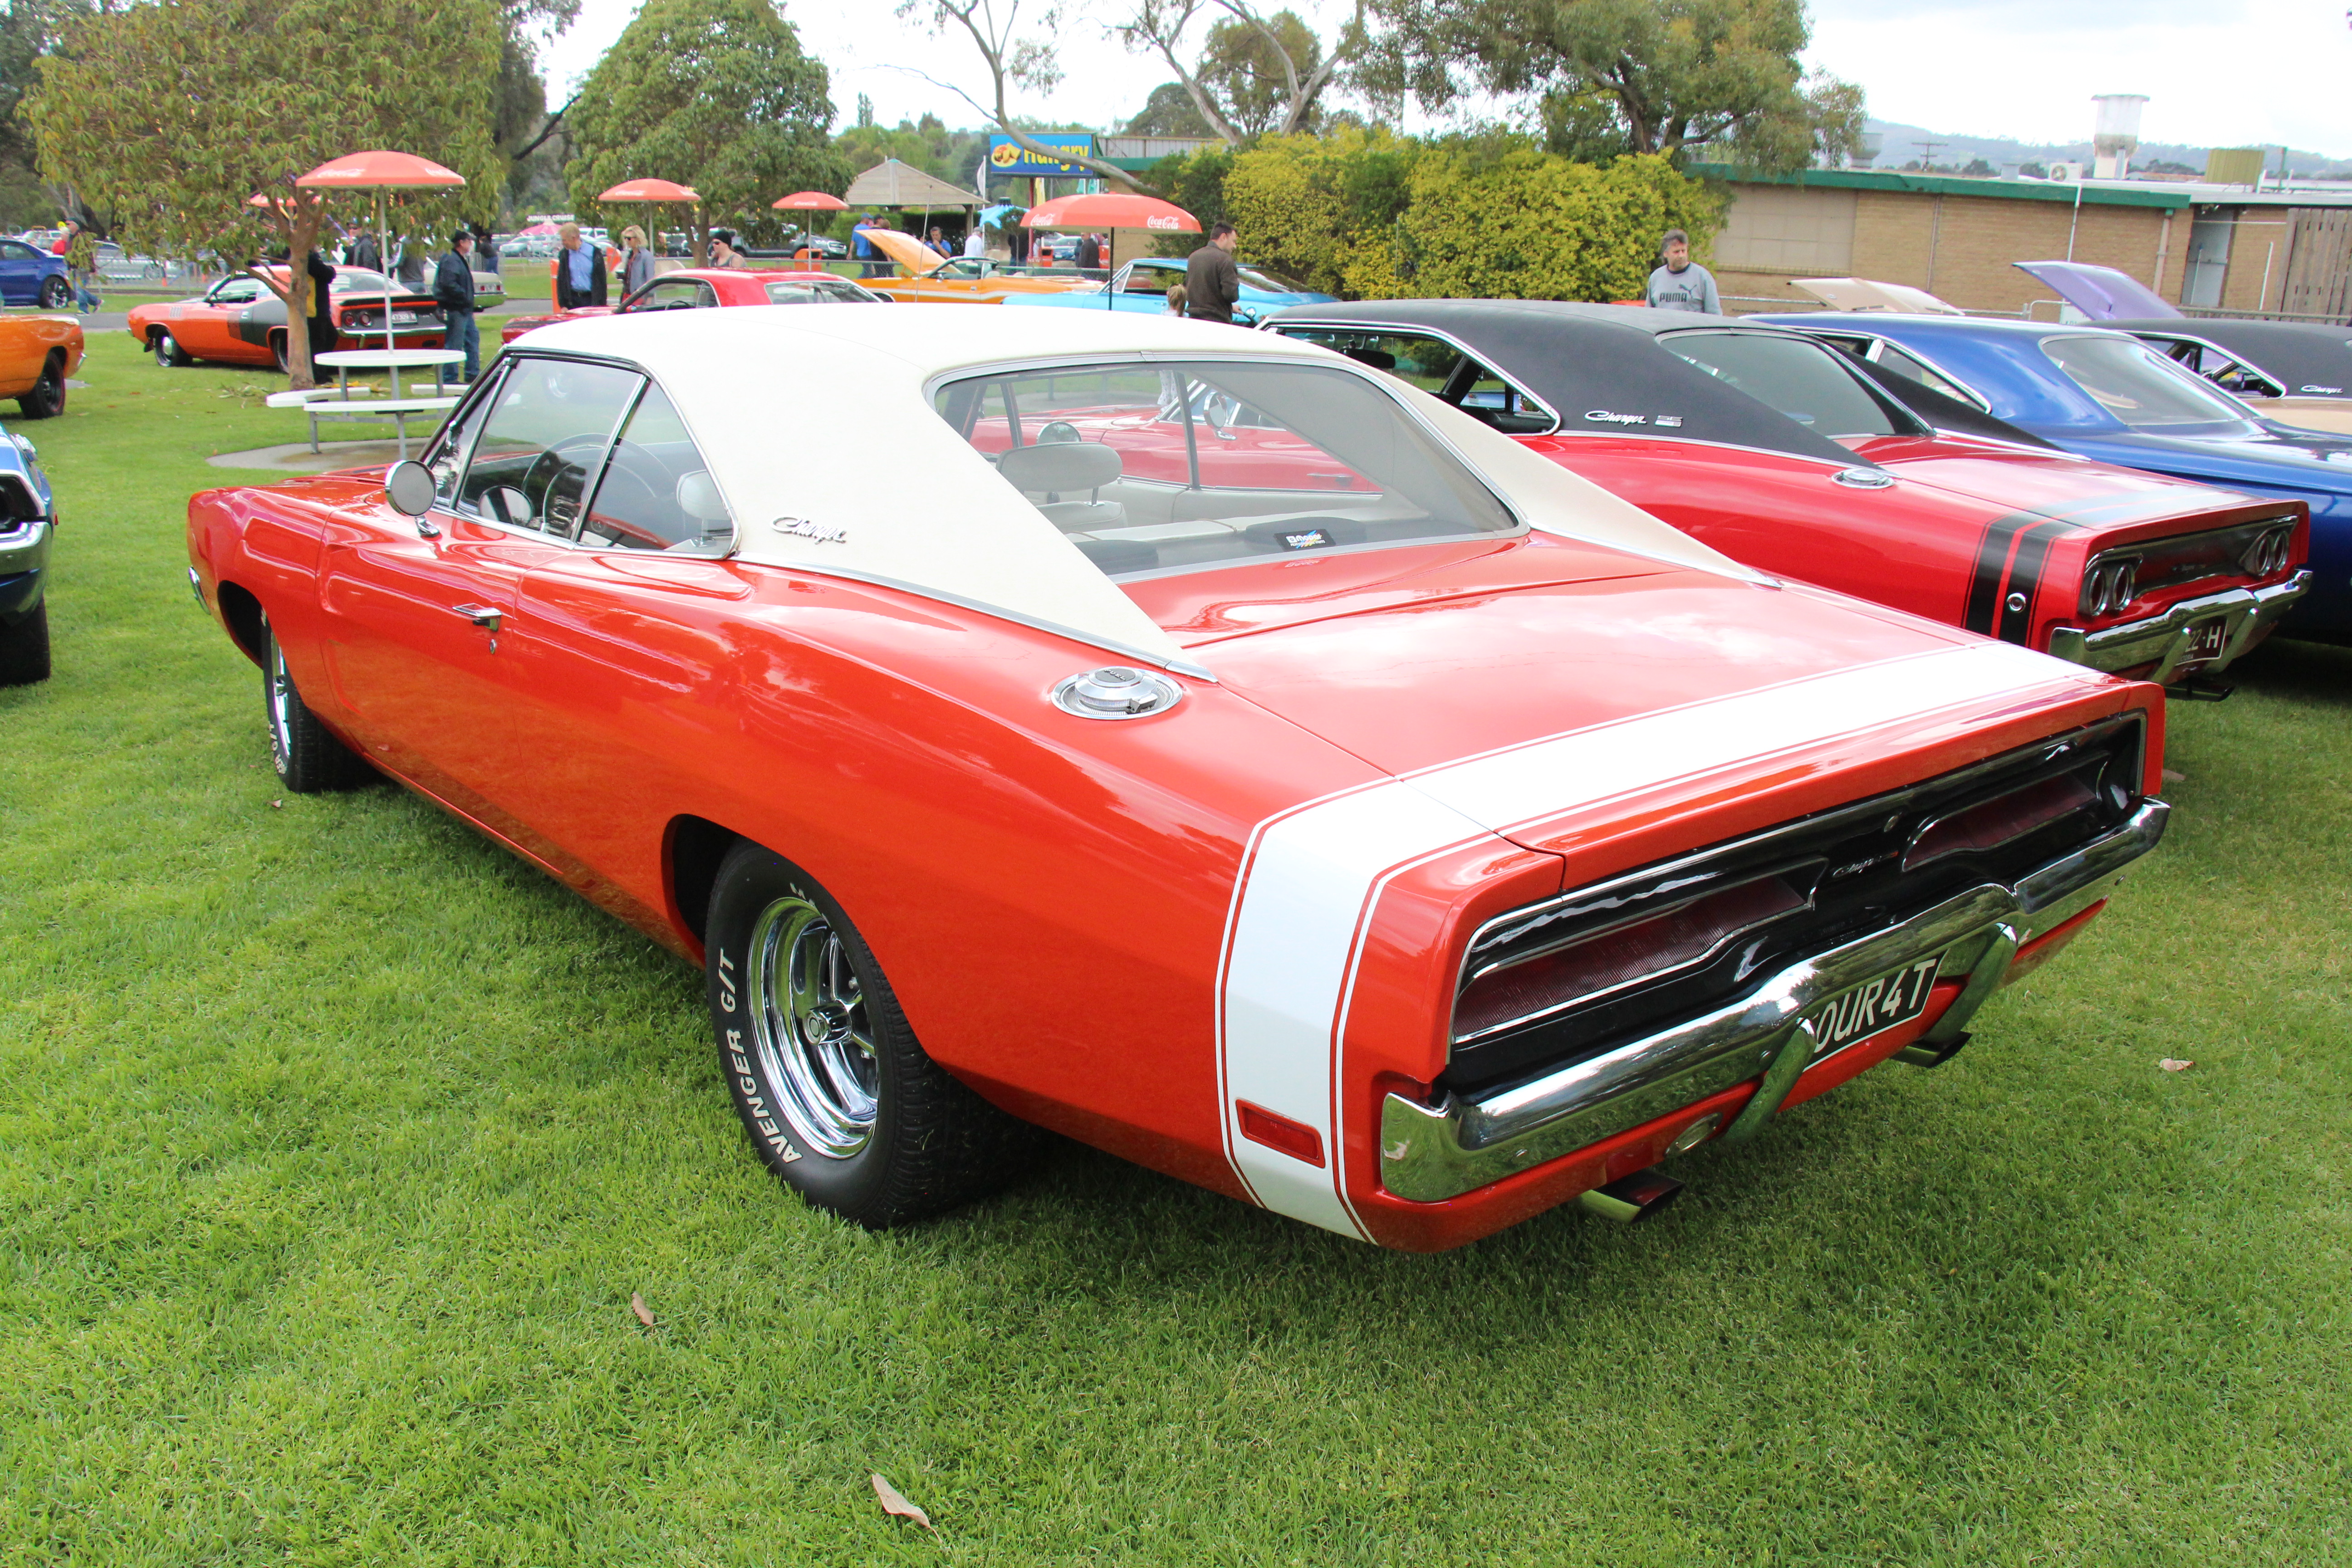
column 1546, row 986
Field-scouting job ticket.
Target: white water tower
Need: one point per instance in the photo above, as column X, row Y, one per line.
column 2115, row 137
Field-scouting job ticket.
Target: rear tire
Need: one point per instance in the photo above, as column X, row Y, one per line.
column 307, row 756
column 278, row 352
column 47, row 400
column 25, row 649
column 838, row 1095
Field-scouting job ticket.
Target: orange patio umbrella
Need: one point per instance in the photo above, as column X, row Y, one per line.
column 381, row 170
column 649, row 191
column 809, row 201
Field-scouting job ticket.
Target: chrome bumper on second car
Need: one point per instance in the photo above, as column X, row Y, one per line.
column 2165, row 640
column 1431, row 1152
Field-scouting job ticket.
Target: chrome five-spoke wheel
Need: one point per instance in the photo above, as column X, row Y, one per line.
column 810, row 1025
column 838, row 1096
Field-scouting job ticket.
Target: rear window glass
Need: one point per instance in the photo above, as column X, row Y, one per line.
column 1173, row 468
column 817, row 291
column 1802, row 380
column 2138, row 385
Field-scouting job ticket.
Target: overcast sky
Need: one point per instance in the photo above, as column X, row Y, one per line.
column 2218, row 72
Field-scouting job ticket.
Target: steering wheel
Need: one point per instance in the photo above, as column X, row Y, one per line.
column 545, row 474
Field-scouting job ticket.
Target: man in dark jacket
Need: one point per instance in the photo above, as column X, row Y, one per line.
column 1213, row 283
column 453, row 290
column 1089, row 252
column 579, row 271
column 324, row 339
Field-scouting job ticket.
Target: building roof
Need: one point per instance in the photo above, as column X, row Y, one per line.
column 891, row 184
column 2170, row 195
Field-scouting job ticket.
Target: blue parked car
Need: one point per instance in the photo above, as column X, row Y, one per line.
column 1143, row 283
column 30, row 277
column 27, row 517
column 2108, row 395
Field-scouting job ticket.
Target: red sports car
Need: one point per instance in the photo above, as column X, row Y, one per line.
column 703, row 287
column 1788, row 456
column 239, row 322
column 1408, row 854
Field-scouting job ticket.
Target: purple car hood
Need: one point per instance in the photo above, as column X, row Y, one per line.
column 2101, row 293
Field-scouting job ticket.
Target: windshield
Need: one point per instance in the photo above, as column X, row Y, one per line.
column 1180, row 467
column 1272, row 282
column 816, row 290
column 2138, row 386
column 1803, row 380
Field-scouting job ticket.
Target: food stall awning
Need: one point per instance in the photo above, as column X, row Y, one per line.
column 891, row 184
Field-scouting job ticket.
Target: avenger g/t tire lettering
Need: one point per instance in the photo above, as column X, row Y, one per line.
column 835, row 1092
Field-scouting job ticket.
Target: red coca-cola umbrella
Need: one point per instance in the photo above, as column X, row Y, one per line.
column 381, row 170
column 1112, row 209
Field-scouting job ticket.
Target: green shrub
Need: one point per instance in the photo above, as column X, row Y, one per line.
column 1364, row 214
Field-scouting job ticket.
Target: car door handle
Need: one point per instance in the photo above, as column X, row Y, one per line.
column 482, row 616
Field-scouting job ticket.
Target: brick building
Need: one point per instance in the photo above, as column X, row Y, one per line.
column 2214, row 246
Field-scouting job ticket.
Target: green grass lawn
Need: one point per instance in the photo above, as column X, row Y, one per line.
column 334, row 1142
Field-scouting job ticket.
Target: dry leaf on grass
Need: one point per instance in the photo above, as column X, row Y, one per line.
column 637, row 1305
column 892, row 1502
column 2170, row 1064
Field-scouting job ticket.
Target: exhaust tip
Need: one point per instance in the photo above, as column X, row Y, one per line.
column 1629, row 1200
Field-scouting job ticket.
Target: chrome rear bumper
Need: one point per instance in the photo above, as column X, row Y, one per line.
column 1430, row 1152
column 2163, row 640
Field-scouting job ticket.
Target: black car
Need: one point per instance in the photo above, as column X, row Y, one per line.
column 2255, row 359
column 27, row 517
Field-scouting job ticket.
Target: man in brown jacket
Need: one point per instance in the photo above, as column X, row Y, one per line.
column 1212, row 284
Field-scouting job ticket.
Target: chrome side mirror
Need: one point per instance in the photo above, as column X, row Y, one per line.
column 409, row 489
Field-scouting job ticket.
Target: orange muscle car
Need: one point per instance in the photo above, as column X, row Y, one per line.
column 37, row 354
column 927, row 278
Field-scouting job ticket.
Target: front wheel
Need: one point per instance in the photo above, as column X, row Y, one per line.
column 47, row 400
column 838, row 1097
column 168, row 351
column 307, row 755
column 56, row 293
column 25, row 649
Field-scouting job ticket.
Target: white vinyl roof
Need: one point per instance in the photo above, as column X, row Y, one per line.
column 817, row 427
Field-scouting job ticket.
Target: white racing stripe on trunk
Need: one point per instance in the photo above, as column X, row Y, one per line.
column 1311, row 875
column 1508, row 789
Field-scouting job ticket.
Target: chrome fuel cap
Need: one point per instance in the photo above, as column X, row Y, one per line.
column 1116, row 691
column 1863, row 479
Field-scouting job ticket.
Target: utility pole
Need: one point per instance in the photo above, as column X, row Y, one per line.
column 1927, row 154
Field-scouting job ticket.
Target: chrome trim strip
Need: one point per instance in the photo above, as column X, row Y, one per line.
column 2163, row 640
column 1432, row 1153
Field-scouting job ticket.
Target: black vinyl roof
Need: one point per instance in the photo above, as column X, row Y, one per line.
column 1583, row 360
column 2300, row 353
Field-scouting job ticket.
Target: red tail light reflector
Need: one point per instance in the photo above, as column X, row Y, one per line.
column 1295, row 1139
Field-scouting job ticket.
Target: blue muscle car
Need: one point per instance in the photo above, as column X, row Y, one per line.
column 27, row 517
column 1143, row 284
column 2108, row 395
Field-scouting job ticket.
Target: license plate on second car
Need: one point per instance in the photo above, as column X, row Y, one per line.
column 1874, row 1007
column 2207, row 639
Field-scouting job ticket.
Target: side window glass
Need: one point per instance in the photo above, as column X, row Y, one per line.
column 1901, row 363
column 549, row 425
column 237, row 292
column 445, row 460
column 657, row 493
